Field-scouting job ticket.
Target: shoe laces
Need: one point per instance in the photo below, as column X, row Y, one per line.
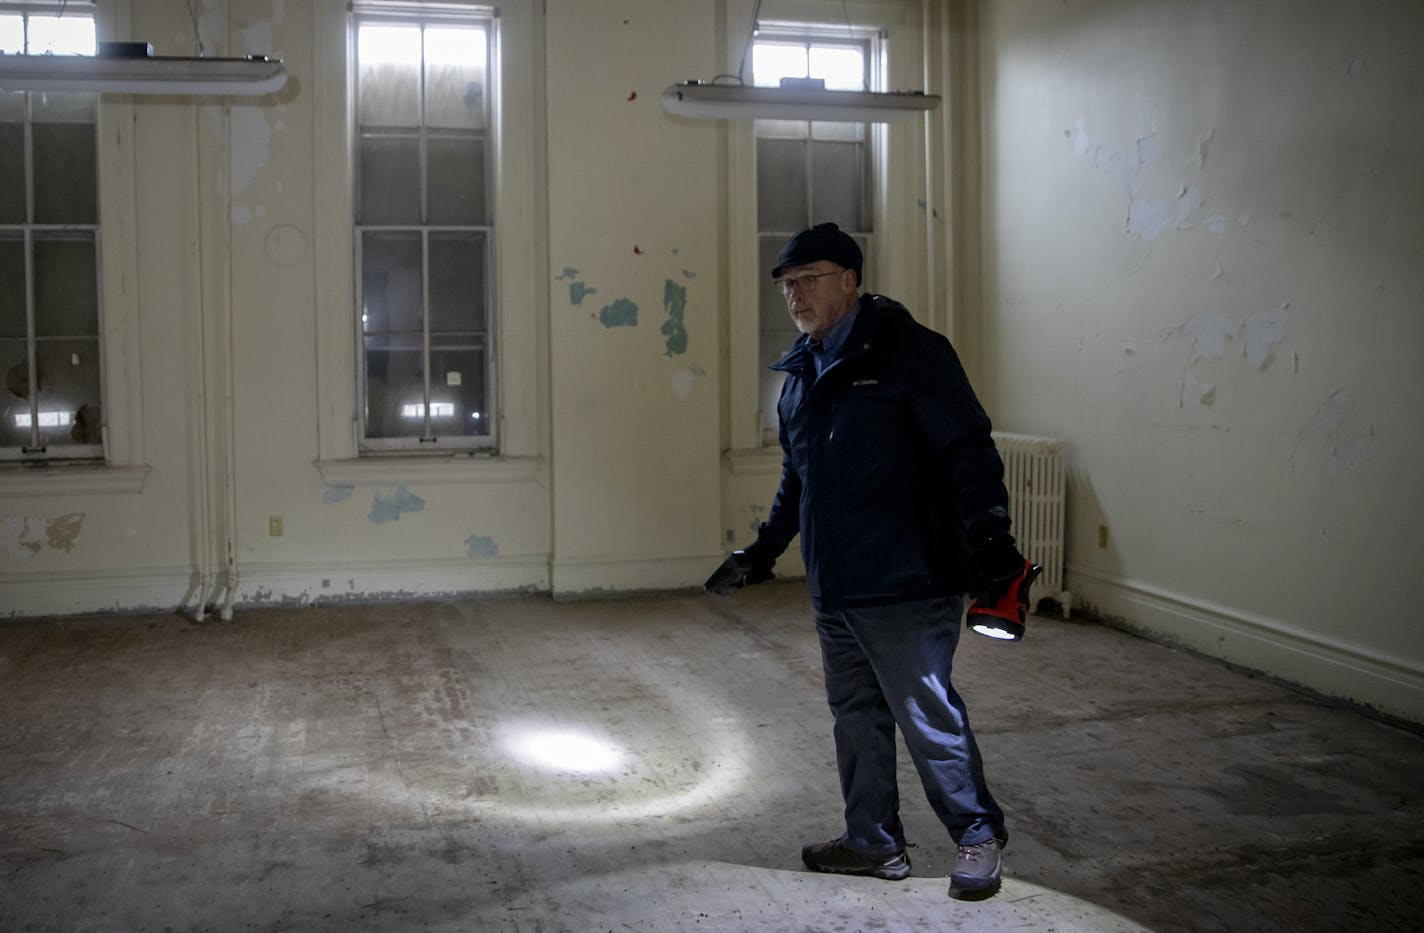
column 972, row 852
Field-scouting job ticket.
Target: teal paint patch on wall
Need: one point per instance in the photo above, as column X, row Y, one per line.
column 675, row 303
column 337, row 493
column 481, row 546
column 622, row 313
column 577, row 291
column 389, row 508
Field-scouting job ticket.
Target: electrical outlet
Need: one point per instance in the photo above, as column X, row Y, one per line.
column 274, row 526
column 1102, row 536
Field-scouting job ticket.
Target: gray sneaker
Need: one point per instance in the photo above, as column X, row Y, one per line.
column 838, row 858
column 977, row 867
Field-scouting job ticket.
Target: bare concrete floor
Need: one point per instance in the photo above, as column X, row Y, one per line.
column 651, row 764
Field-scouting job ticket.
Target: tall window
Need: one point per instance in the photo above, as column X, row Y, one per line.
column 808, row 172
column 51, row 406
column 424, row 227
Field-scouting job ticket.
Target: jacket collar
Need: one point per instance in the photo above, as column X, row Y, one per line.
column 871, row 310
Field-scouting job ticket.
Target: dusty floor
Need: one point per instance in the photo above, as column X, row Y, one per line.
column 386, row 767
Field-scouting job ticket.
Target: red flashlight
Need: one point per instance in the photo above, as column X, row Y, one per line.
column 1005, row 619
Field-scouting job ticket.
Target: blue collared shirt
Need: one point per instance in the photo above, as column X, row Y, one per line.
column 825, row 352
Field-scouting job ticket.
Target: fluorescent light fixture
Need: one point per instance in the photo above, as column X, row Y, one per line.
column 795, row 99
column 131, row 68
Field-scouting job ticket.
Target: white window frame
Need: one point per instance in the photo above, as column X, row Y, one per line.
column 374, row 12
column 770, row 302
column 898, row 198
column 120, row 468
column 519, row 312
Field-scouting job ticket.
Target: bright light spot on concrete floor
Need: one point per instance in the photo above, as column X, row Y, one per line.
column 585, row 772
column 564, row 750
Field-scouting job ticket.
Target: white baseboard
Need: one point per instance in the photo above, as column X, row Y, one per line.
column 357, row 581
column 585, row 576
column 1319, row 663
column 66, row 593
column 270, row 584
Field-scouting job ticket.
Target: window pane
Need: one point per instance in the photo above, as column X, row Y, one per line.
column 457, row 283
column 457, row 386
column 837, row 177
column 62, row 35
column 454, row 77
column 390, row 180
column 772, row 61
column 781, row 184
column 395, row 386
column 66, row 174
column 424, row 160
column 15, row 400
column 64, row 107
column 66, row 285
column 12, row 33
column 826, row 129
column 69, row 391
column 457, row 180
column 12, row 157
column 843, row 68
column 391, row 279
column 389, row 82
column 781, row 129
column 12, row 285
column 777, row 333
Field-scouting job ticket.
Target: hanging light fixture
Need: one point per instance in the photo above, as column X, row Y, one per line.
column 794, row 99
column 132, row 68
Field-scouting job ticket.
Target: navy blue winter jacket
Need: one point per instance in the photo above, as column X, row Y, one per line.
column 888, row 469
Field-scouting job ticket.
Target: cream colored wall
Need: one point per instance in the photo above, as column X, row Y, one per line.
column 635, row 308
column 228, row 251
column 1203, row 234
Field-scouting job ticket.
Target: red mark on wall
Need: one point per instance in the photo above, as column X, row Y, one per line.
column 633, row 95
column 637, row 250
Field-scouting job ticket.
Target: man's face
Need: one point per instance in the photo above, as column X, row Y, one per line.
column 818, row 304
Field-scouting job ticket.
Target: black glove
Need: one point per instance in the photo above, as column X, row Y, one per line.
column 746, row 566
column 997, row 564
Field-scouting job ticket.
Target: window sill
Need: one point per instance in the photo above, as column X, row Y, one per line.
column 755, row 461
column 71, row 480
column 385, row 471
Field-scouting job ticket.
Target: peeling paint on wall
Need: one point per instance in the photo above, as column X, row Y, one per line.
column 1147, row 218
column 22, row 537
column 577, row 290
column 1344, row 446
column 62, row 532
column 251, row 145
column 333, row 494
column 675, row 303
column 388, row 508
column 481, row 546
column 1211, row 332
column 622, row 313
column 1263, row 330
column 1197, row 393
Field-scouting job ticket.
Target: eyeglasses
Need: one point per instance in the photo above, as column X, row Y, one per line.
column 788, row 286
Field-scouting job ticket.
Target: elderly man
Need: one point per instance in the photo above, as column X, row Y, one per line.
column 891, row 479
